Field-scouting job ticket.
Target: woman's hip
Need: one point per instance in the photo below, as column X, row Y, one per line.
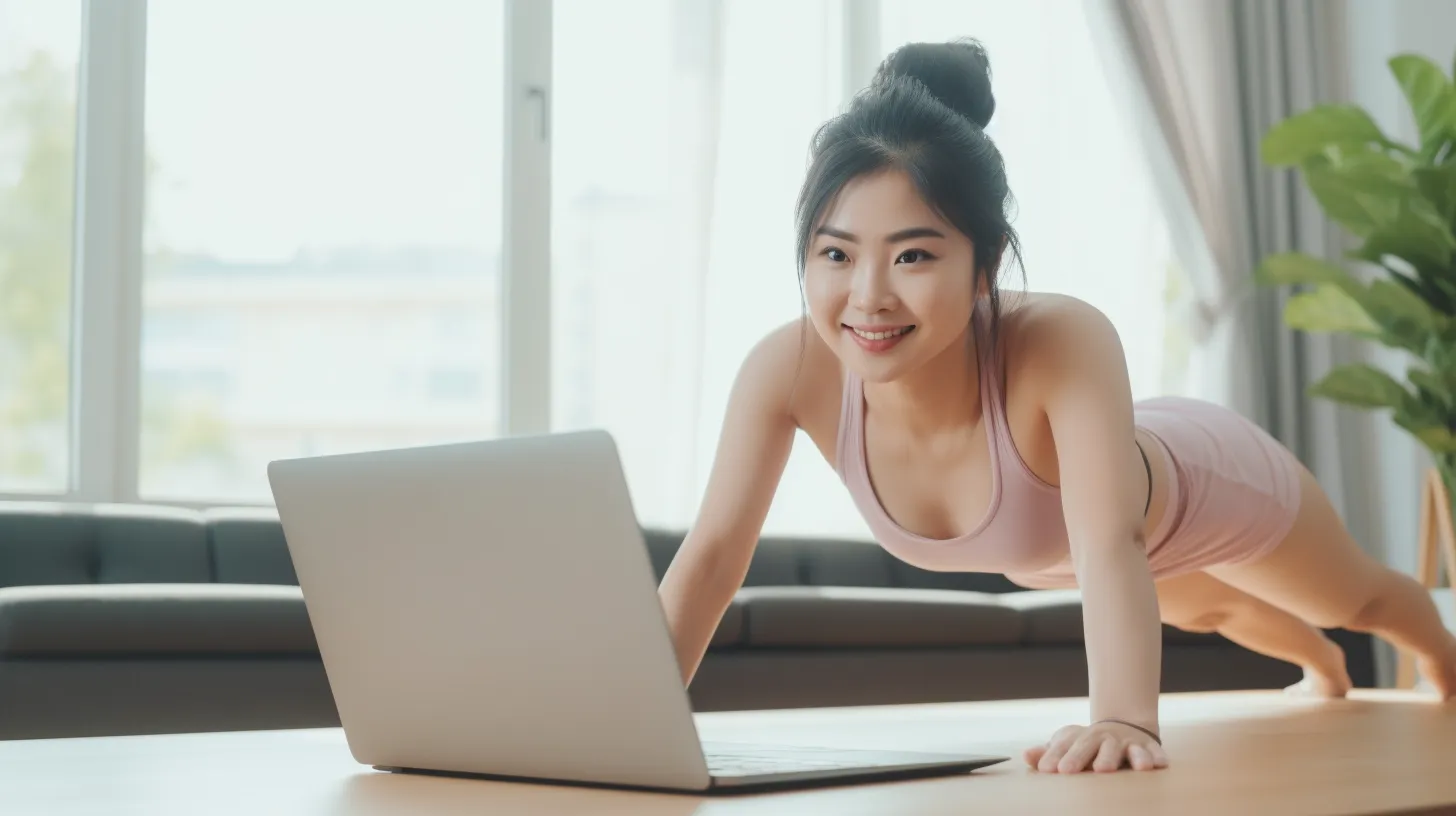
column 1233, row 490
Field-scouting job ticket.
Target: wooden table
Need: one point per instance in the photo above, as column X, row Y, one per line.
column 1240, row 753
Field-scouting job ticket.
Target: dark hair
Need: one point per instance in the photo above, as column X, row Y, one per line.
column 924, row 114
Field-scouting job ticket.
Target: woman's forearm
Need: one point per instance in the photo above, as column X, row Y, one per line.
column 694, row 597
column 1122, row 630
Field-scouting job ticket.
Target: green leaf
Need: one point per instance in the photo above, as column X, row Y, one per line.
column 1388, row 303
column 1438, row 185
column 1432, row 387
column 1432, row 99
column 1436, row 437
column 1372, row 170
column 1447, row 287
column 1360, row 192
column 1395, row 312
column 1328, row 309
column 1427, row 289
column 1295, row 268
column 1424, row 380
column 1418, row 413
column 1361, row 386
column 1414, row 242
column 1440, row 351
column 1413, row 231
column 1426, row 422
column 1312, row 131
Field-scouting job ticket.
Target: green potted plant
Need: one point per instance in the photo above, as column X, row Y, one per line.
column 1399, row 201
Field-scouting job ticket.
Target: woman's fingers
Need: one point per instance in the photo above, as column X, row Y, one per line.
column 1081, row 754
column 1140, row 758
column 1110, row 755
column 1056, row 749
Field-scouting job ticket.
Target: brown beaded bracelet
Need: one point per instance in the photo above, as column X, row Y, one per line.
column 1155, row 737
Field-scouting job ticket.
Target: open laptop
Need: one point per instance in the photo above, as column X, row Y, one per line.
column 488, row 608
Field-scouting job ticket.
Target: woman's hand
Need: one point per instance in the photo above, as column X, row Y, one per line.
column 1102, row 747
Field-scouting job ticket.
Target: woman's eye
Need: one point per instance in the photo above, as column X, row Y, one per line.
column 914, row 256
column 835, row 255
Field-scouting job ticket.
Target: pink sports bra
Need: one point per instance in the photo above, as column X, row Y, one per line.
column 1022, row 532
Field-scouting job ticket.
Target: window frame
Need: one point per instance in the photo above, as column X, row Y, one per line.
column 104, row 426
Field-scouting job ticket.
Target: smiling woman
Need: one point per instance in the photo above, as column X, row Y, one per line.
column 977, row 436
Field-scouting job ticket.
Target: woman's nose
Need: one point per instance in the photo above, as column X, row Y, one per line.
column 871, row 290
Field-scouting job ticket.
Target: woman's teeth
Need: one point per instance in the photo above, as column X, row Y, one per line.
column 882, row 335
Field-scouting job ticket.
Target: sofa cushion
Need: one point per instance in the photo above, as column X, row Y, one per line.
column 64, row 543
column 1051, row 616
column 150, row 545
column 153, row 619
column 908, row 575
column 44, row 543
column 775, row 562
column 1054, row 617
column 834, row 562
column 248, row 547
column 841, row 617
column 661, row 547
column 731, row 628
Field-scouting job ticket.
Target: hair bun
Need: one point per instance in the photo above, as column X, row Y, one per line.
column 957, row 73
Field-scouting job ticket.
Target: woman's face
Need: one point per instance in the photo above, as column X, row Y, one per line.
column 889, row 284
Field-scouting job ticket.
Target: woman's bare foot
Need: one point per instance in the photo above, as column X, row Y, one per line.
column 1441, row 674
column 1329, row 679
column 1322, row 683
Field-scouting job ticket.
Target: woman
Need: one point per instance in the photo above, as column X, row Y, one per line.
column 982, row 435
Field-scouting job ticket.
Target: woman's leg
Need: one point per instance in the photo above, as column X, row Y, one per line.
column 1318, row 573
column 1198, row 602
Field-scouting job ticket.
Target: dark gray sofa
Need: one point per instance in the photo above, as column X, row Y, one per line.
column 147, row 619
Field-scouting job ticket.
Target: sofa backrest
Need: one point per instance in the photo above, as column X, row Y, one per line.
column 60, row 543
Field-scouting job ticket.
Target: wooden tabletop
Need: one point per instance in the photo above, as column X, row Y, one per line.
column 1241, row 753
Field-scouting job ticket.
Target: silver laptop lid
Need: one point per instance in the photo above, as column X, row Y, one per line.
column 489, row 607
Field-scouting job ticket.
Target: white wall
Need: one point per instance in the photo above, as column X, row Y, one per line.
column 1376, row 31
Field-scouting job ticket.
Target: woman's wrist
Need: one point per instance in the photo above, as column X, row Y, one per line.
column 1149, row 731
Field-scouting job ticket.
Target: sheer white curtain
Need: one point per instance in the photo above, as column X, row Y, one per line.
column 678, row 155
column 676, row 167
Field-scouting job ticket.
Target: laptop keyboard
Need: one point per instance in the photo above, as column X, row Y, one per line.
column 748, row 760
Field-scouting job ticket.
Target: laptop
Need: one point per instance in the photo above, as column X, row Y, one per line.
column 489, row 609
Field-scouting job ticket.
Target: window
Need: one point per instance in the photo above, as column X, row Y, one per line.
column 39, row 57
column 324, row 212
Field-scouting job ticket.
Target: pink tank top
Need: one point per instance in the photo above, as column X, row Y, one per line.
column 1022, row 532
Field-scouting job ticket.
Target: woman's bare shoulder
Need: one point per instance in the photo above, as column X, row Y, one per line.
column 1042, row 332
column 793, row 368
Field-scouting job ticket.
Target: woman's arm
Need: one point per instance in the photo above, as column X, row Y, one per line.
column 753, row 448
column 1088, row 401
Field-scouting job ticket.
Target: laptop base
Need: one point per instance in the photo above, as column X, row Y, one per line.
column 721, row 786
